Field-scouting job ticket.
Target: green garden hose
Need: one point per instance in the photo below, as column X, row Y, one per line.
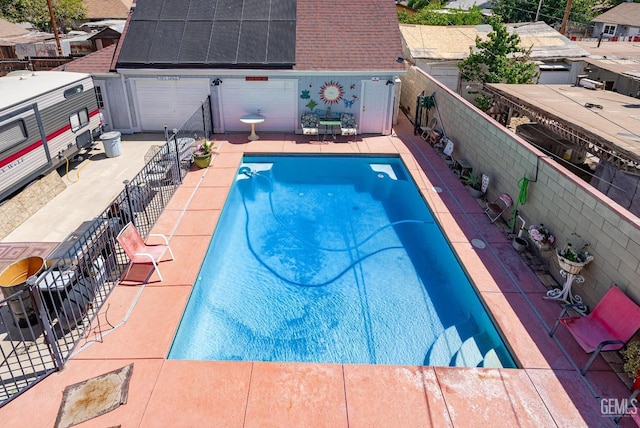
column 523, row 183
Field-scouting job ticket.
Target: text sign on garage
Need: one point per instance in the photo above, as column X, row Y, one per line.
column 256, row 78
column 168, row 77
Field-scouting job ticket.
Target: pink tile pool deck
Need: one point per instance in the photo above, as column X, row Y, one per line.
column 547, row 390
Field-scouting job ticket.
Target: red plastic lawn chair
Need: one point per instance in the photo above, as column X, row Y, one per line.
column 610, row 325
column 139, row 251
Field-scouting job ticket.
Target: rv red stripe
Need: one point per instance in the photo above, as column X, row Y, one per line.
column 6, row 161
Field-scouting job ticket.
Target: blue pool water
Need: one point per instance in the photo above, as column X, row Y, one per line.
column 333, row 259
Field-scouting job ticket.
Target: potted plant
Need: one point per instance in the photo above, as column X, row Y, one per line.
column 541, row 237
column 473, row 183
column 202, row 154
column 631, row 355
column 571, row 260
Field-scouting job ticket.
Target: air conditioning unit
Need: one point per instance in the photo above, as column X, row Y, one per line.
column 591, row 84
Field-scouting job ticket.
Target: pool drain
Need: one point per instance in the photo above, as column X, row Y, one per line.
column 478, row 243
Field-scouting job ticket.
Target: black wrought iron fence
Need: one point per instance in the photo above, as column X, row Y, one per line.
column 55, row 312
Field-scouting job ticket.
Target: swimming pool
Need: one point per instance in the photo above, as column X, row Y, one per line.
column 333, row 259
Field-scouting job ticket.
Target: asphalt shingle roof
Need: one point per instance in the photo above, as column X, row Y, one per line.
column 309, row 35
column 623, row 14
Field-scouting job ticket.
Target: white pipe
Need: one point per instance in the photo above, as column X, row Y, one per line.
column 522, row 229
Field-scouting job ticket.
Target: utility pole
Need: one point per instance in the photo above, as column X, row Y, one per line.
column 54, row 27
column 538, row 11
column 567, row 11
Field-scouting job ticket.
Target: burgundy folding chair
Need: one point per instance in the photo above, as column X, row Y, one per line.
column 609, row 327
column 140, row 252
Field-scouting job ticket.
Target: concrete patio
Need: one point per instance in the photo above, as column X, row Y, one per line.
column 547, row 389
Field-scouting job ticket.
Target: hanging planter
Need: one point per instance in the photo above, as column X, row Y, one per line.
column 571, row 266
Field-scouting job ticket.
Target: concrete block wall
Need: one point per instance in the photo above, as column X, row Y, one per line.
column 573, row 210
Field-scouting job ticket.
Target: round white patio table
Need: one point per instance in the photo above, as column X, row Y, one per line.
column 253, row 119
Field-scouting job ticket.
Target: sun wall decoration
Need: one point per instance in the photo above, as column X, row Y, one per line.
column 331, row 92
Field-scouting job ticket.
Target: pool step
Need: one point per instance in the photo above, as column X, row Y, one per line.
column 469, row 354
column 472, row 354
column 491, row 359
column 446, row 345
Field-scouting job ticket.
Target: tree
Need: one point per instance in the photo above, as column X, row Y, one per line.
column 434, row 15
column 551, row 11
column 498, row 59
column 66, row 12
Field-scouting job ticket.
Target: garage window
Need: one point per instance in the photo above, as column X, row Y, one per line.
column 609, row 29
column 79, row 119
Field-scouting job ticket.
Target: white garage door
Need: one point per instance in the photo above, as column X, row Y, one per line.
column 276, row 100
column 169, row 102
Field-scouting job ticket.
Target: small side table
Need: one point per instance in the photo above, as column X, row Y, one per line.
column 462, row 167
column 253, row 119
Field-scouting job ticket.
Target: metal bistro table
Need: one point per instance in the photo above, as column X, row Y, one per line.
column 329, row 122
column 252, row 119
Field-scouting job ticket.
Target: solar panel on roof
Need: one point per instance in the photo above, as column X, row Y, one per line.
column 224, row 43
column 221, row 32
column 252, row 45
column 138, row 42
column 175, row 9
column 195, row 43
column 283, row 10
column 201, row 10
column 147, row 10
column 256, row 10
column 229, row 10
column 282, row 35
column 167, row 42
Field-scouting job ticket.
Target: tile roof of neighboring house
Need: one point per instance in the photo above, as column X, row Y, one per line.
column 455, row 42
column 9, row 29
column 347, row 35
column 623, row 14
column 104, row 9
column 95, row 62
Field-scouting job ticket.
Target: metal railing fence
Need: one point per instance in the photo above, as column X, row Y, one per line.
column 56, row 311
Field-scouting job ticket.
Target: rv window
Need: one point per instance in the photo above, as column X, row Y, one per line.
column 73, row 91
column 12, row 134
column 79, row 119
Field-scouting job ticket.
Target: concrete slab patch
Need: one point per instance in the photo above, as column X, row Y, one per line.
column 94, row 397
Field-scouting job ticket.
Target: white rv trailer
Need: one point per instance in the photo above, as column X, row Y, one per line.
column 46, row 117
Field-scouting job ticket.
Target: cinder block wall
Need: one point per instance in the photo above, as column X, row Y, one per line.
column 559, row 199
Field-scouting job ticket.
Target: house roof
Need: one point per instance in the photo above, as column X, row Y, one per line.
column 455, row 42
column 199, row 33
column 105, row 9
column 623, row 14
column 95, row 62
column 9, row 29
column 285, row 34
column 360, row 35
column 614, row 125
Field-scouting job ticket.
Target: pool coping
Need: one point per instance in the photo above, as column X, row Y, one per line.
column 546, row 390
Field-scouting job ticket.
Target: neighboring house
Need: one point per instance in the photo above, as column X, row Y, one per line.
column 106, row 37
column 468, row 4
column 98, row 10
column 437, row 50
column 12, row 35
column 620, row 22
column 617, row 75
column 282, row 57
